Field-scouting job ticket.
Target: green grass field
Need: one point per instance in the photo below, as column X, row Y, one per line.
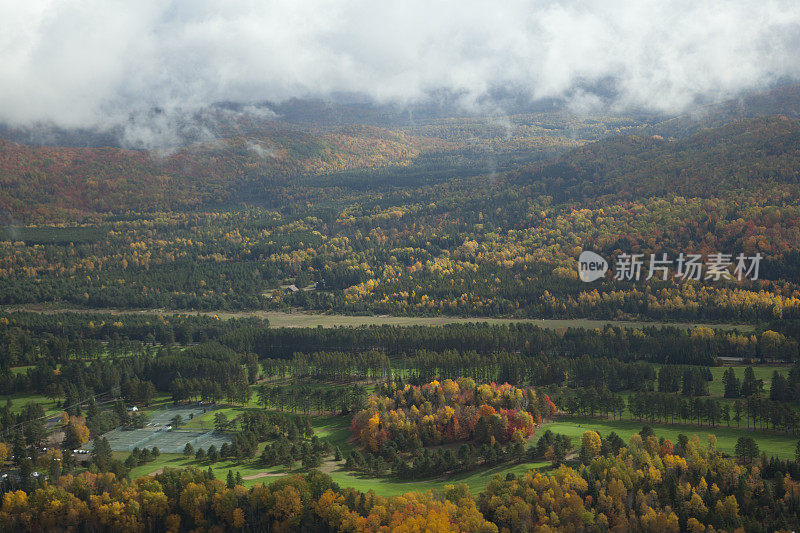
column 779, row 445
column 19, row 401
column 476, row 480
column 176, row 460
column 717, row 388
column 335, row 429
column 302, row 319
column 206, row 421
column 299, row 319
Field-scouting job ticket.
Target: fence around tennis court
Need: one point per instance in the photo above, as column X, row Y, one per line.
column 157, row 434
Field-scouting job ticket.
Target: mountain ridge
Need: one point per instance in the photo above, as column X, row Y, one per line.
column 740, row 155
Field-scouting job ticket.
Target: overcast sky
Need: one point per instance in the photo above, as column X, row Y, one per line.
column 79, row 63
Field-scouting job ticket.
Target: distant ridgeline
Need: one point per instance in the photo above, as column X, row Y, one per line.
column 747, row 155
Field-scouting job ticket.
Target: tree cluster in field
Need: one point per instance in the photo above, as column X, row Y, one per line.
column 413, row 417
column 68, row 335
column 546, row 368
column 691, row 381
column 254, row 427
column 782, row 388
column 141, row 457
column 754, row 411
column 428, row 462
column 103, row 460
column 306, row 398
column 212, row 372
column 331, row 366
column 590, row 386
column 521, row 352
column 286, row 451
column 29, row 422
column 206, row 361
column 656, row 344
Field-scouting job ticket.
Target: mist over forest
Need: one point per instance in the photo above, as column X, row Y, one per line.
column 400, row 266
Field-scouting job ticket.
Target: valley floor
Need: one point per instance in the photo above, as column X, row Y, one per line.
column 304, row 319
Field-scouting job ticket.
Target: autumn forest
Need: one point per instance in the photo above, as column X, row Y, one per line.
column 339, row 317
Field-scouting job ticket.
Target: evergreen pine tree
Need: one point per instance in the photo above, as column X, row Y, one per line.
column 731, row 382
column 101, row 454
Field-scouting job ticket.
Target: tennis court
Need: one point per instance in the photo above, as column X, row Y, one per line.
column 160, row 433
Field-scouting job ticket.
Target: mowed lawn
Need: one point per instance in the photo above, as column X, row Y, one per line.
column 220, row 468
column 206, row 421
column 327, row 428
column 717, row 387
column 773, row 444
column 254, row 474
column 19, row 400
column 476, row 480
column 334, row 429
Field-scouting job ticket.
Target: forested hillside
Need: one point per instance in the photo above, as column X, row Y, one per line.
column 781, row 100
column 250, row 160
column 389, row 241
column 41, row 182
column 745, row 155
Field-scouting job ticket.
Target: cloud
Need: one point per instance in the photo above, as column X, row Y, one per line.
column 111, row 63
column 261, row 150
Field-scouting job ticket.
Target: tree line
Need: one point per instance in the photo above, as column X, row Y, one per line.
column 644, row 484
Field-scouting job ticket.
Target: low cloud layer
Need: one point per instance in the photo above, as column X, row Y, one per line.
column 109, row 63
